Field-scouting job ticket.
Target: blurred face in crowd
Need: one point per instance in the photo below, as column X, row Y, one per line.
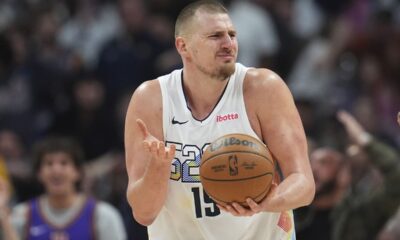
column 47, row 29
column 10, row 145
column 58, row 174
column 89, row 94
column 210, row 40
column 325, row 164
column 133, row 14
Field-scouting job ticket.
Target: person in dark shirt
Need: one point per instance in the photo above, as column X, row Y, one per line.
column 365, row 209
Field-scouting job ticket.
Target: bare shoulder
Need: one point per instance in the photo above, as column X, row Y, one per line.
column 146, row 104
column 146, row 99
column 148, row 92
column 262, row 79
column 263, row 86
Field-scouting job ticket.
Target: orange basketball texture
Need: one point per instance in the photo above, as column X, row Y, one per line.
column 236, row 167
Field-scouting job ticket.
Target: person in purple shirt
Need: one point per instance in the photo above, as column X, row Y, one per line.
column 62, row 212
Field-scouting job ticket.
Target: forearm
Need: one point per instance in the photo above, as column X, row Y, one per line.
column 8, row 229
column 147, row 195
column 295, row 191
column 386, row 159
column 382, row 156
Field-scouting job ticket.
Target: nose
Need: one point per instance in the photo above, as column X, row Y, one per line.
column 57, row 167
column 228, row 41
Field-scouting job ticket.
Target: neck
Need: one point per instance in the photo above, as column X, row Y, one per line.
column 202, row 92
column 62, row 201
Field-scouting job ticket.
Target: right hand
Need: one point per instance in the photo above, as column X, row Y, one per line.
column 155, row 147
column 355, row 131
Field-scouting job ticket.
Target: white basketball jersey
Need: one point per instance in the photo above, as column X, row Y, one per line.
column 188, row 213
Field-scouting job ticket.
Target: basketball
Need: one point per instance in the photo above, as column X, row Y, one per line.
column 235, row 167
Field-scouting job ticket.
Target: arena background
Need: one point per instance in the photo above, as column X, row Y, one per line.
column 69, row 67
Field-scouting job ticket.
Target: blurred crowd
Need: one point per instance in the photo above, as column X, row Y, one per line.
column 69, row 67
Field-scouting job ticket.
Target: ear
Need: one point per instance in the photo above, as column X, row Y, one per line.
column 180, row 44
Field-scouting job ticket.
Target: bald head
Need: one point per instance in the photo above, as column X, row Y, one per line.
column 187, row 14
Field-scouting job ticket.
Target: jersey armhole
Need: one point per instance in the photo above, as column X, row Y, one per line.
column 247, row 124
column 165, row 105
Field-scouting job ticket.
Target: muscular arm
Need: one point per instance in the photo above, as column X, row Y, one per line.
column 147, row 160
column 283, row 132
column 275, row 119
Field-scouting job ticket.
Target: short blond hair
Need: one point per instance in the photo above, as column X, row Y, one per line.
column 188, row 12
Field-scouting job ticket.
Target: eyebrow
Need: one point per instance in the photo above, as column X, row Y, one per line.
column 221, row 32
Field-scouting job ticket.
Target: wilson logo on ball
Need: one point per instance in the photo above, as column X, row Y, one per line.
column 231, row 142
column 235, row 167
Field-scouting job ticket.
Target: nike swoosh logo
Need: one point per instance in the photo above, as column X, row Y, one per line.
column 177, row 122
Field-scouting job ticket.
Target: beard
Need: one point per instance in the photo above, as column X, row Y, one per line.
column 220, row 73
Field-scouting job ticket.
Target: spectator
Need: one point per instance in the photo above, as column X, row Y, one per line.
column 15, row 90
column 13, row 150
column 130, row 58
column 391, row 231
column 52, row 68
column 89, row 120
column 352, row 201
column 86, row 32
column 331, row 181
column 363, row 212
column 252, row 20
column 62, row 212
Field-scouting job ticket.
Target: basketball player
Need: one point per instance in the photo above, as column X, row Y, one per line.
column 171, row 120
column 62, row 212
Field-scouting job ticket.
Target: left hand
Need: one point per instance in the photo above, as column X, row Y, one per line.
column 266, row 205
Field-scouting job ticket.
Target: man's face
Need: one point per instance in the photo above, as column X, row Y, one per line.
column 58, row 174
column 325, row 166
column 212, row 44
